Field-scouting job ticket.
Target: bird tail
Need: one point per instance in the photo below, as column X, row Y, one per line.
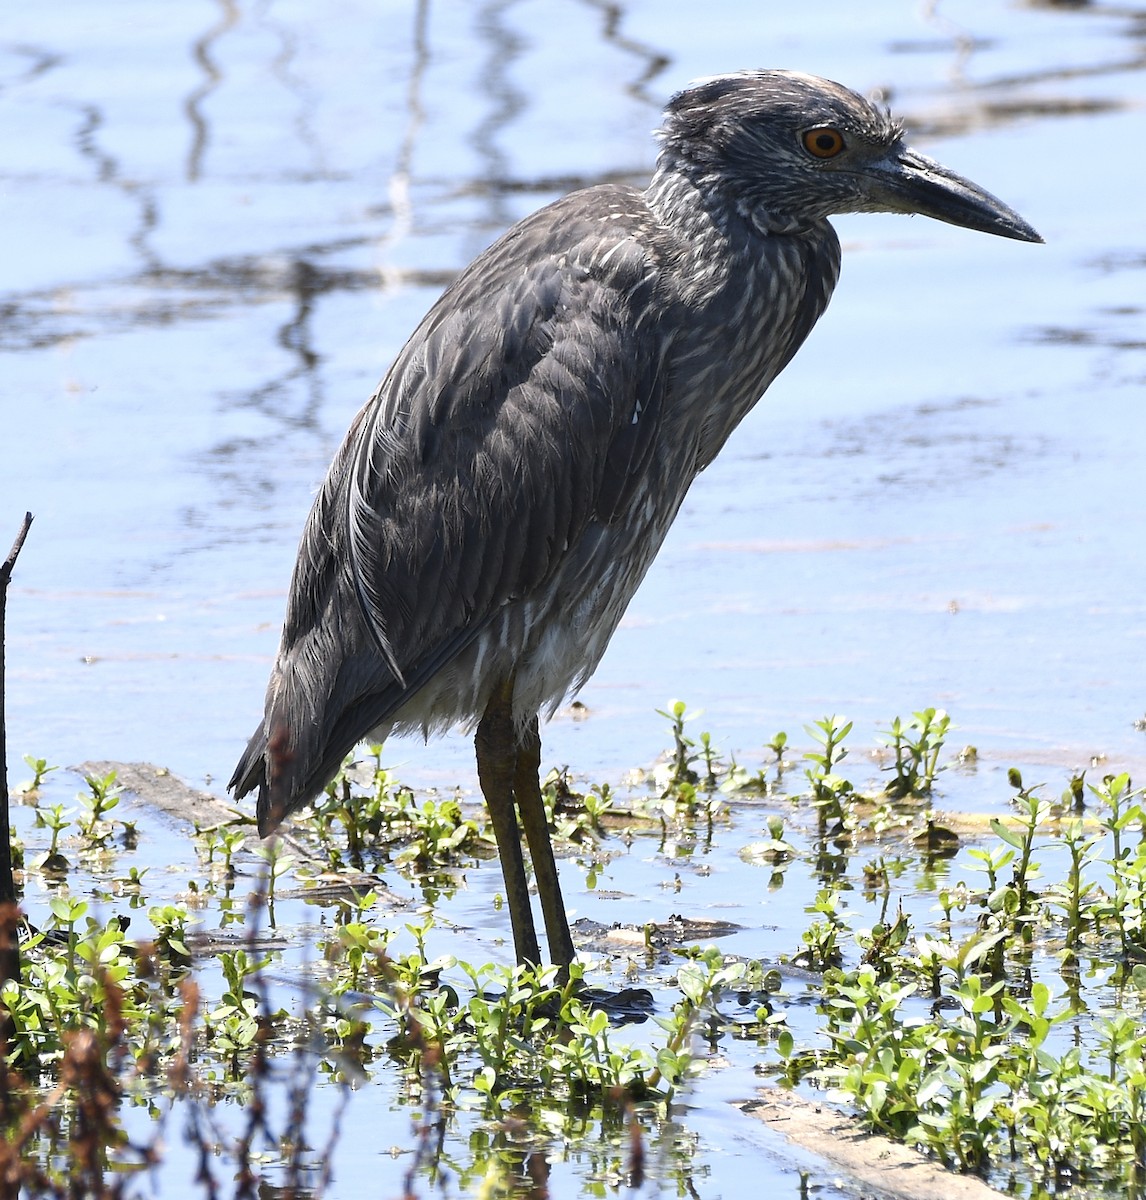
column 250, row 773
column 285, row 755
column 256, row 769
column 320, row 704
column 269, row 764
column 284, row 761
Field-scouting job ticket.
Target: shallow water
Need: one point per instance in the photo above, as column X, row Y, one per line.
column 220, row 225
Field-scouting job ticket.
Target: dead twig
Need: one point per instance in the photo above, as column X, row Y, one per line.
column 9, row 949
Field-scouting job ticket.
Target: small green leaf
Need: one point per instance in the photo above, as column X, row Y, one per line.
column 1007, row 835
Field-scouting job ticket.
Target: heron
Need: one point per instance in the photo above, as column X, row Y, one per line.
column 498, row 500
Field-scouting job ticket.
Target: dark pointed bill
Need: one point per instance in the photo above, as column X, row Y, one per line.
column 910, row 182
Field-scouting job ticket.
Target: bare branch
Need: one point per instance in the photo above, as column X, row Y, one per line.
column 14, row 553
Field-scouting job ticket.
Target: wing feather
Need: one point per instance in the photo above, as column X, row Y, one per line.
column 494, row 440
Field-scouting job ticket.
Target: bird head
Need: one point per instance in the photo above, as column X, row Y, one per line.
column 786, row 150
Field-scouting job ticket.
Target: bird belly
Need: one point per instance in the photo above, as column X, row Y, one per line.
column 549, row 641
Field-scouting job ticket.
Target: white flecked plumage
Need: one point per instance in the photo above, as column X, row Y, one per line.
column 497, row 502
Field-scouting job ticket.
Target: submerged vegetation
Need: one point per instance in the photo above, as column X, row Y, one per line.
column 972, row 987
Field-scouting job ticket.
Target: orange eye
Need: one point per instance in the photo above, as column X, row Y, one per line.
column 823, row 142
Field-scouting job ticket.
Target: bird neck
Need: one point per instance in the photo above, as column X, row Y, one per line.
column 680, row 193
column 752, row 293
column 718, row 236
column 709, row 239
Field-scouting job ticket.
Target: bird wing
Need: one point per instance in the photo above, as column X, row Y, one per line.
column 521, row 409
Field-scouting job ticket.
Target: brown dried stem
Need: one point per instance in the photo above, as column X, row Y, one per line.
column 9, row 948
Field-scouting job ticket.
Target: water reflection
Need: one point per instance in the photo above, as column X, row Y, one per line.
column 400, row 189
column 505, row 103
column 202, row 51
column 652, row 61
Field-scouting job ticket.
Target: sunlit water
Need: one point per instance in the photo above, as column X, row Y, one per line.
column 221, row 220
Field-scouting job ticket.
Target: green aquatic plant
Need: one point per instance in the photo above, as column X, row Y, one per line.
column 821, row 940
column 1075, row 894
column 916, row 745
column 680, row 770
column 102, row 797
column 937, row 1028
column 226, row 840
column 681, row 780
column 40, row 770
column 367, row 803
column 356, row 945
column 1034, row 813
column 234, row 1026
column 54, row 818
column 830, row 790
column 1119, row 812
column 440, row 834
column 701, row 980
column 973, row 1078
column 278, row 864
column 170, row 924
column 519, row 1029
column 979, row 1086
column 81, row 973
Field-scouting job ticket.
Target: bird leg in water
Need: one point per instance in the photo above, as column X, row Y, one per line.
column 527, row 789
column 508, row 771
column 496, row 762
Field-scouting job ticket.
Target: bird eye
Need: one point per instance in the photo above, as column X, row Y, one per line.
column 823, row 142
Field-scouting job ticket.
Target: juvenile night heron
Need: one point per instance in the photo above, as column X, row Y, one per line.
column 499, row 499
